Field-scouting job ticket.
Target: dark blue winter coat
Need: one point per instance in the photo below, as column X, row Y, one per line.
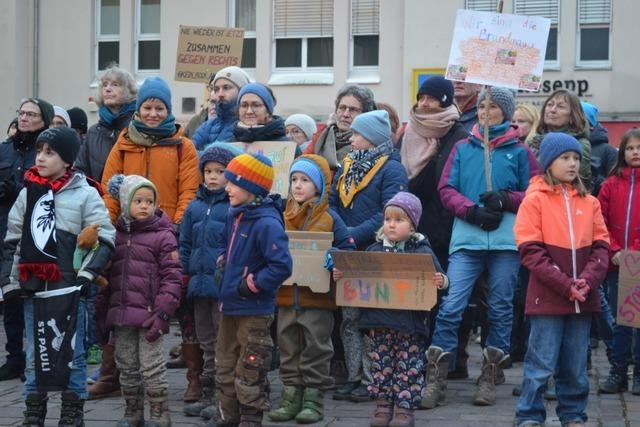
column 202, row 240
column 218, row 129
column 257, row 244
column 410, row 321
column 364, row 215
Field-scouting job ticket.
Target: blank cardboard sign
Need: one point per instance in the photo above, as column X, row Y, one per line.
column 308, row 250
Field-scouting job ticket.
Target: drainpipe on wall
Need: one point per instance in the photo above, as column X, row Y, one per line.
column 36, row 46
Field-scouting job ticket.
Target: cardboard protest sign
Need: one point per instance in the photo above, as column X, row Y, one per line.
column 498, row 49
column 629, row 290
column 308, row 251
column 205, row 50
column 281, row 154
column 385, row 280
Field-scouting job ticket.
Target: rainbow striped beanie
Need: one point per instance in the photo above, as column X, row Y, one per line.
column 253, row 172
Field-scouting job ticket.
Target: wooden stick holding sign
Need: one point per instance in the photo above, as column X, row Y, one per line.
column 629, row 290
column 308, row 251
column 281, row 154
column 385, row 280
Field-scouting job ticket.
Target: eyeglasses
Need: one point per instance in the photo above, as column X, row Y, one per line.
column 29, row 114
column 342, row 108
column 255, row 106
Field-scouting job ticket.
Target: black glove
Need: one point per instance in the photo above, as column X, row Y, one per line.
column 7, row 190
column 496, row 200
column 484, row 218
column 244, row 290
column 85, row 284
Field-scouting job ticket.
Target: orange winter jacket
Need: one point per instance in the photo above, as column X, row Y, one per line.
column 559, row 232
column 172, row 169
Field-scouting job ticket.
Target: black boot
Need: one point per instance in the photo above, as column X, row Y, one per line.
column 72, row 410
column 635, row 389
column 616, row 382
column 10, row 372
column 36, row 410
column 250, row 416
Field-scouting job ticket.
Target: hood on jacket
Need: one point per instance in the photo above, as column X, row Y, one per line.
column 599, row 135
column 208, row 195
column 538, row 184
column 510, row 135
column 269, row 206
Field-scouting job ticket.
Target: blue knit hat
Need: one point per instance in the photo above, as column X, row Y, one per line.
column 554, row 144
column 154, row 87
column 438, row 87
column 261, row 91
column 219, row 152
column 503, row 98
column 311, row 169
column 374, row 126
column 591, row 112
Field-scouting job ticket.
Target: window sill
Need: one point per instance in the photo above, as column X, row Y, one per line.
column 604, row 66
column 364, row 76
column 279, row 78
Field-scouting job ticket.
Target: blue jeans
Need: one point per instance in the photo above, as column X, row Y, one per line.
column 465, row 266
column 624, row 345
column 78, row 375
column 557, row 344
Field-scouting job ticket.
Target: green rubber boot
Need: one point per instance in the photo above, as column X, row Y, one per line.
column 312, row 407
column 290, row 405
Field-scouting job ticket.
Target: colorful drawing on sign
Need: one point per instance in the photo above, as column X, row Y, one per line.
column 629, row 290
column 308, row 250
column 281, row 154
column 498, row 49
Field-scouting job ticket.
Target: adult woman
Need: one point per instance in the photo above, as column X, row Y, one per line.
column 300, row 129
column 116, row 97
column 256, row 121
column 333, row 143
column 526, row 118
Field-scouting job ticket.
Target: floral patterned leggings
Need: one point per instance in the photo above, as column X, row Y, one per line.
column 397, row 365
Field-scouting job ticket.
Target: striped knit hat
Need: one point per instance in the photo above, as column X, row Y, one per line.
column 253, row 172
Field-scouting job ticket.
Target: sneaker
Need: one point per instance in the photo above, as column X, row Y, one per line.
column 94, row 355
column 91, row 379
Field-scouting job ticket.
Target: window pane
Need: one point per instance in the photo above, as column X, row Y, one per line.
column 552, row 45
column 594, row 44
column 110, row 17
column 288, row 53
column 108, row 54
column 365, row 50
column 150, row 16
column 320, row 52
column 246, row 14
column 149, row 55
column 249, row 54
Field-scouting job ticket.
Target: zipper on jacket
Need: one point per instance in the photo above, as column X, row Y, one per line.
column 627, row 219
column 572, row 237
column 125, row 271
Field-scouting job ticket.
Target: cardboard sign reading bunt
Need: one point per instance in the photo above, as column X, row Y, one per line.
column 385, row 280
column 205, row 50
column 498, row 49
column 629, row 290
column 281, row 154
column 308, row 251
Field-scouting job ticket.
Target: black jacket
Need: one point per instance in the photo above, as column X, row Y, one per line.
column 603, row 156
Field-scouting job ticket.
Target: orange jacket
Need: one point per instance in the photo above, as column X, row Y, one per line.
column 174, row 171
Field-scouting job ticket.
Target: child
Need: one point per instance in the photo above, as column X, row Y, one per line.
column 399, row 336
column 371, row 175
column 305, row 319
column 32, row 264
column 256, row 261
column 201, row 236
column 620, row 201
column 144, row 283
column 563, row 241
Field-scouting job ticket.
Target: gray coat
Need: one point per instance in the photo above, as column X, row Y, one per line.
column 94, row 151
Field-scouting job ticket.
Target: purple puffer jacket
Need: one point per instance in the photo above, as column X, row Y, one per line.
column 146, row 274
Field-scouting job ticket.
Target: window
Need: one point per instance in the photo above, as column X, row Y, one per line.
column 594, row 41
column 148, row 35
column 244, row 16
column 303, row 31
column 107, row 33
column 547, row 9
column 482, row 5
column 365, row 30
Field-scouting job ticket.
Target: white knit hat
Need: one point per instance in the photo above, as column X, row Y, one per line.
column 235, row 75
column 62, row 113
column 304, row 122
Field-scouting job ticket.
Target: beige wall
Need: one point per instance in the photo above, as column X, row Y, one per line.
column 414, row 34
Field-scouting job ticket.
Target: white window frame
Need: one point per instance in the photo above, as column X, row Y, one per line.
column 103, row 37
column 144, row 37
column 552, row 64
column 247, row 34
column 362, row 73
column 481, row 5
column 593, row 64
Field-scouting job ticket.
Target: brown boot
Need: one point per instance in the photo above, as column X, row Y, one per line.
column 402, row 418
column 108, row 384
column 158, row 408
column 134, row 410
column 435, row 392
column 382, row 414
column 491, row 371
column 192, row 355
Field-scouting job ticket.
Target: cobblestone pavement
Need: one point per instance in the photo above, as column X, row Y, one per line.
column 604, row 410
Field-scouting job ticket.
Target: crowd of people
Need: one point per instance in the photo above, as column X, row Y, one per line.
column 524, row 212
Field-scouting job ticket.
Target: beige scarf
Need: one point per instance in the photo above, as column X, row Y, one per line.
column 421, row 139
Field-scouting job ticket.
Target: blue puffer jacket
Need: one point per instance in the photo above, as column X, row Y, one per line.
column 202, row 241
column 218, row 129
column 257, row 244
column 364, row 215
column 410, row 321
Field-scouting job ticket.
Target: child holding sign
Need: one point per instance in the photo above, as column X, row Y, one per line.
column 563, row 241
column 399, row 336
column 620, row 201
column 305, row 319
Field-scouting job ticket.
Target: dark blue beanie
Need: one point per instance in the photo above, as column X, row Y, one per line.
column 438, row 87
column 219, row 152
column 261, row 91
column 554, row 144
column 154, row 87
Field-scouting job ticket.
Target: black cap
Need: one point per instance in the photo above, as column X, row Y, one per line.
column 63, row 140
column 78, row 119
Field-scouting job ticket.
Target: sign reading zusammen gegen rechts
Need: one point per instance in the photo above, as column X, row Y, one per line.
column 498, row 49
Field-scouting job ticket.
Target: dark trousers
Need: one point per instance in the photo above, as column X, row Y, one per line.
column 13, row 320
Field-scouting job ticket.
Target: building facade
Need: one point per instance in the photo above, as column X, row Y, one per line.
column 306, row 49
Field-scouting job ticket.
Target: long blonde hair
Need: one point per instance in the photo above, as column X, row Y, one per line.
column 531, row 113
